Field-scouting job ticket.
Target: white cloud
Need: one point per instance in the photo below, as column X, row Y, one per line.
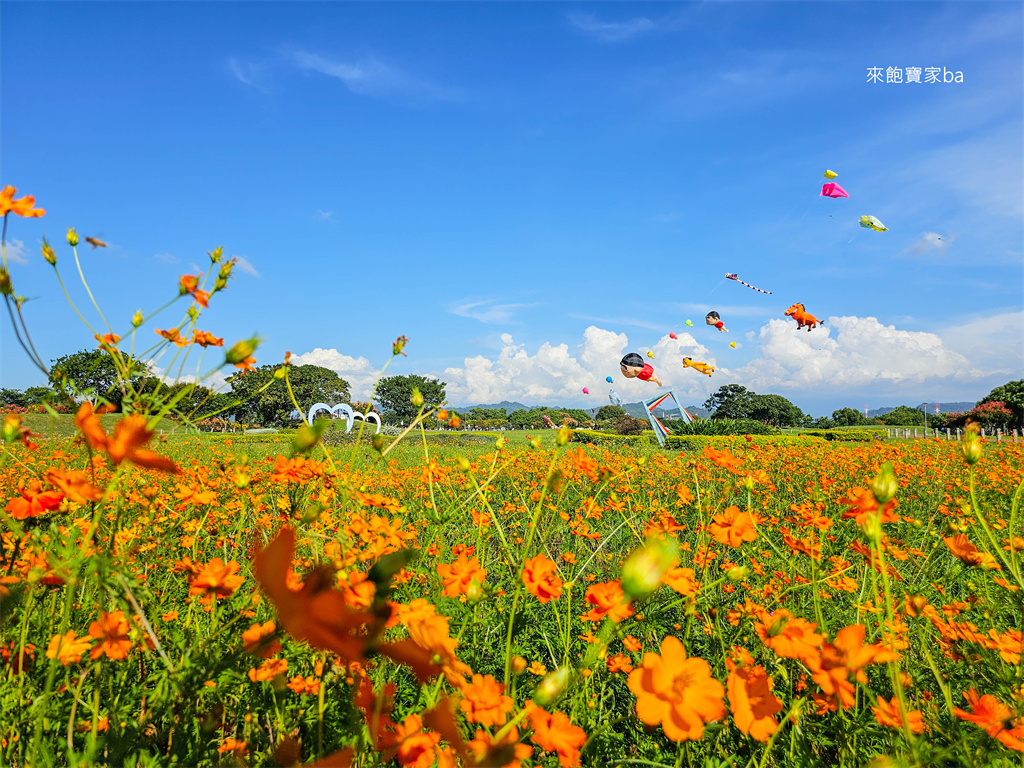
column 610, row 31
column 357, row 371
column 850, row 352
column 368, row 77
column 246, row 72
column 245, row 265
column 324, row 215
column 166, row 258
column 486, row 311
column 930, row 241
column 15, row 250
column 554, row 375
column 217, row 381
column 995, row 341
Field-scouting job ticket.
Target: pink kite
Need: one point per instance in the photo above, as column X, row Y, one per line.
column 832, row 190
column 586, row 391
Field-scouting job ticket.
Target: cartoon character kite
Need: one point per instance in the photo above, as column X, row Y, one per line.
column 870, row 222
column 586, row 391
column 832, row 190
column 614, row 398
column 701, row 367
column 734, row 276
column 798, row 313
column 830, row 174
column 634, row 367
column 713, row 319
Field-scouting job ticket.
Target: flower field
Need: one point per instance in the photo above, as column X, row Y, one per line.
column 199, row 602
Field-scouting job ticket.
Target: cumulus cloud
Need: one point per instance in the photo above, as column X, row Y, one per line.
column 245, row 265
column 554, row 374
column 851, row 352
column 994, row 342
column 16, row 251
column 610, row 31
column 930, row 241
column 217, row 381
column 357, row 371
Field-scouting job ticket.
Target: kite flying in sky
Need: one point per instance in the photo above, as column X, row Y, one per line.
column 832, row 190
column 830, row 174
column 689, row 323
column 870, row 222
column 802, row 317
column 608, row 379
column 634, row 367
column 734, row 276
column 701, row 367
column 713, row 319
column 614, row 397
column 586, row 391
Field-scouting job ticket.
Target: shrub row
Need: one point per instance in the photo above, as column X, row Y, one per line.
column 682, row 442
column 856, row 435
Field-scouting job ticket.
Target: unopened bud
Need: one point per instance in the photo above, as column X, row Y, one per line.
column 399, row 345
column 872, row 526
column 464, row 463
column 535, row 443
column 306, row 437
column 643, row 569
column 518, row 664
column 748, row 482
column 563, row 436
column 241, row 350
column 553, row 482
column 971, row 446
column 11, row 430
column 312, row 513
column 6, row 289
column 279, row 373
column 215, row 254
column 417, row 398
column 241, row 478
column 377, row 442
column 49, row 254
column 885, row 485
column 500, row 443
column 474, row 592
column 72, row 237
column 551, row 687
column 137, row 319
column 193, row 313
column 737, row 573
column 454, row 422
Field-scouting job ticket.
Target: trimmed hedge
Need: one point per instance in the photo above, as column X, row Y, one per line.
column 856, row 435
column 682, row 442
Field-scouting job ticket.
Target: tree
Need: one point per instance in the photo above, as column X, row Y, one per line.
column 992, row 415
column 904, row 416
column 775, row 410
column 609, row 412
column 94, row 371
column 731, row 401
column 311, row 384
column 13, row 397
column 1011, row 395
column 394, row 396
column 849, row 417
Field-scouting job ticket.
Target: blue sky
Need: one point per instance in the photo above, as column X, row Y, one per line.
column 530, row 190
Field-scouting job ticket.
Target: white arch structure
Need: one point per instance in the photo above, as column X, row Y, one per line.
column 345, row 412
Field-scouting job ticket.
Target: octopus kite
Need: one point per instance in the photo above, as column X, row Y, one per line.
column 700, row 367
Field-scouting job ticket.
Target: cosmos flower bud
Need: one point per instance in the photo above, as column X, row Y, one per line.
column 216, row 253
column 377, row 442
column 454, row 422
column 518, row 664
column 885, row 484
column 6, row 289
column 72, row 237
column 971, row 446
column 474, row 592
column 563, row 436
column 193, row 313
column 241, row 350
column 500, row 443
column 279, row 374
column 464, row 464
column 137, row 319
column 551, row 687
column 872, row 526
column 11, row 430
column 417, row 398
column 399, row 345
column 49, row 254
column 643, row 569
column 737, row 573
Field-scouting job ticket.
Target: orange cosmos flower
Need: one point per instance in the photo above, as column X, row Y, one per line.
column 865, row 504
column 68, row 648
column 112, row 631
column 619, row 663
column 483, row 701
column 206, row 339
column 677, row 692
column 108, row 339
column 723, row 459
column 173, row 334
column 417, row 749
column 217, row 579
column 254, row 639
column 236, row 747
column 842, row 663
column 969, row 554
column 190, row 284
column 682, row 580
column 554, row 732
column 268, row 670
column 74, row 484
column 733, row 527
column 22, row 207
column 789, row 637
column 486, row 750
column 753, row 704
column 609, row 600
column 304, row 686
column 130, row 434
column 540, row 575
column 887, row 713
column 995, row 718
column 246, row 364
column 456, row 577
column 33, row 501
